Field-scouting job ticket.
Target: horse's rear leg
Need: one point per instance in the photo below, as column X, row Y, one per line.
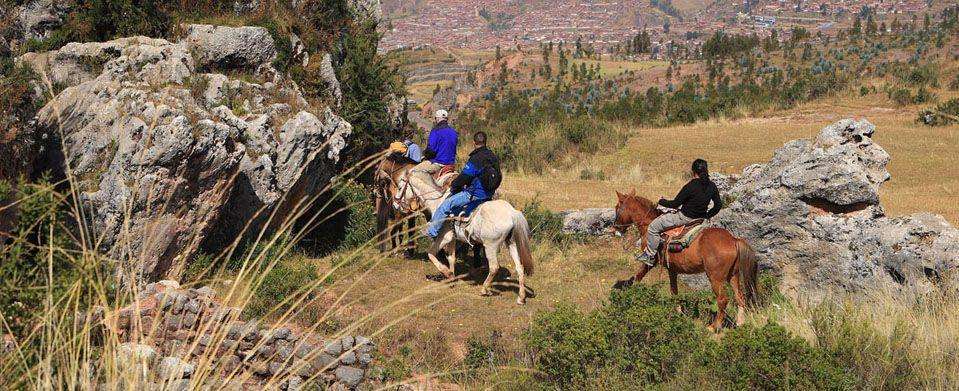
column 493, row 267
column 719, row 289
column 740, row 300
column 520, row 273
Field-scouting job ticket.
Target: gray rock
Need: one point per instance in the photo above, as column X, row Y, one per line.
column 224, row 48
column 161, row 170
column 333, row 348
column 324, row 361
column 348, row 358
column 347, row 343
column 349, row 376
column 174, row 368
column 594, row 221
column 294, row 383
column 813, row 216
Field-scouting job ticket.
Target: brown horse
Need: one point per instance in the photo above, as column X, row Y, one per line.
column 724, row 258
column 395, row 213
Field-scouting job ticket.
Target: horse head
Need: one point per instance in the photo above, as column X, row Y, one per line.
column 633, row 210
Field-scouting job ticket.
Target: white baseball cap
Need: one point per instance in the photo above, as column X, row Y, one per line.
column 441, row 115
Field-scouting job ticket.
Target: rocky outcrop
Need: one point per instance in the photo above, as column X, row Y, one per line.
column 168, row 155
column 174, row 336
column 32, row 19
column 813, row 215
column 594, row 222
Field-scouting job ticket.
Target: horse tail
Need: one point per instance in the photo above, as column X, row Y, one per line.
column 520, row 238
column 748, row 268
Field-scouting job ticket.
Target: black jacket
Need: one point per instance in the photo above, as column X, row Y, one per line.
column 480, row 159
column 693, row 199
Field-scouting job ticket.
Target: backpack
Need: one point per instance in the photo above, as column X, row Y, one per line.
column 491, row 177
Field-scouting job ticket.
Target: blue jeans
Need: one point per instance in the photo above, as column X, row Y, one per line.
column 439, row 215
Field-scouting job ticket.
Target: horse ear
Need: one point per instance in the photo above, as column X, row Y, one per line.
column 619, row 195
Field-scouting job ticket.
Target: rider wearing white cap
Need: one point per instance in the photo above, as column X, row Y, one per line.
column 440, row 149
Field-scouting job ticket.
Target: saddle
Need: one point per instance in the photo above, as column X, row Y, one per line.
column 679, row 238
column 443, row 171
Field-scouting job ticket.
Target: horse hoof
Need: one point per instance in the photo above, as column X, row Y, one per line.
column 520, row 301
column 435, row 277
column 486, row 293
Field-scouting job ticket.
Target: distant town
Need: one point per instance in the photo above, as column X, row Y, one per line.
column 480, row 25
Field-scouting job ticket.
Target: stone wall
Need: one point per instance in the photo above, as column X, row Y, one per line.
column 186, row 338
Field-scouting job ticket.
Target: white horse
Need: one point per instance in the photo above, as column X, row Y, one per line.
column 493, row 224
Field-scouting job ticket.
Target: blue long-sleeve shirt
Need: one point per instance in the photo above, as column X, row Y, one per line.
column 443, row 140
column 413, row 151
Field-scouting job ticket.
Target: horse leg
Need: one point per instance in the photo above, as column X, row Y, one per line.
column 451, row 256
column 493, row 268
column 674, row 288
column 721, row 301
column 520, row 273
column 740, row 300
column 642, row 272
column 432, row 255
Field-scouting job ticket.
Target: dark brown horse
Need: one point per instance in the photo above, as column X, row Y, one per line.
column 395, row 222
column 724, row 258
column 395, row 216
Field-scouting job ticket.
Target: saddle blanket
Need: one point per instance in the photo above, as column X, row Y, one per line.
column 684, row 235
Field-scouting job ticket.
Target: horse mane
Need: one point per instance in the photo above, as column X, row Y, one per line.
column 642, row 201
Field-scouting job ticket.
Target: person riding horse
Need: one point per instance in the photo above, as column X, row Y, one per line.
column 440, row 151
column 469, row 186
column 692, row 203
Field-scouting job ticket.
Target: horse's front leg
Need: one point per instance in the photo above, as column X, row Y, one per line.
column 674, row 288
column 433, row 255
column 451, row 256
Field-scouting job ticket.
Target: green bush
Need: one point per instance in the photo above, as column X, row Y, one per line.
column 637, row 339
column 649, row 339
column 543, row 223
column 946, row 113
column 41, row 241
column 360, row 220
column 765, row 358
column 568, row 346
column 285, row 281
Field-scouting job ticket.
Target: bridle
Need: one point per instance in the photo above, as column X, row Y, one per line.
column 399, row 200
column 627, row 242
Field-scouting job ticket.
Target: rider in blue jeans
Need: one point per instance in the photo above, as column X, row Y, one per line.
column 467, row 187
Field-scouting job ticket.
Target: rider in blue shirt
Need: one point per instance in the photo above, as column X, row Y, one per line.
column 468, row 186
column 440, row 149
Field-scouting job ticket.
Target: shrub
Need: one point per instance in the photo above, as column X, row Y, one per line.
column 648, row 338
column 568, row 346
column 280, row 288
column 901, row 96
column 360, row 220
column 765, row 358
column 945, row 113
column 543, row 223
column 592, row 175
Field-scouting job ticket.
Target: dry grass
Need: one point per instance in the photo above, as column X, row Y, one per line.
column 890, row 340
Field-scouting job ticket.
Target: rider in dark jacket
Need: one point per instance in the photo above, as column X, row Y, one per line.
column 693, row 204
column 468, row 186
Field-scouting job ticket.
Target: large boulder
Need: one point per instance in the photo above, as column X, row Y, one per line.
column 166, row 156
column 813, row 216
column 595, row 221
